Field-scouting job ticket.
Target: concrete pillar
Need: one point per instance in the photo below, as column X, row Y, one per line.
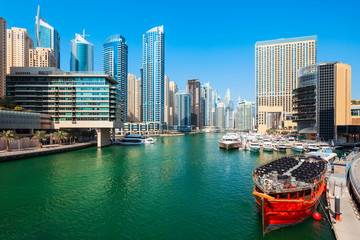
column 113, row 134
column 103, row 137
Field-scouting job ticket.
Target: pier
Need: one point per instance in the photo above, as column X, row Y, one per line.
column 27, row 153
column 344, row 182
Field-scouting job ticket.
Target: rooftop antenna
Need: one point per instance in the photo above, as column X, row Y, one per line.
column 84, row 35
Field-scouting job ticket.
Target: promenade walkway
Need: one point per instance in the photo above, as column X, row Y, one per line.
column 46, row 150
column 349, row 226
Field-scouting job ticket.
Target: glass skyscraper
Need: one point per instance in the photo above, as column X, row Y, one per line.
column 82, row 54
column 182, row 110
column 115, row 63
column 47, row 37
column 152, row 80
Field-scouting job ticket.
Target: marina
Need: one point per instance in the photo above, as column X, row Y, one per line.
column 182, row 187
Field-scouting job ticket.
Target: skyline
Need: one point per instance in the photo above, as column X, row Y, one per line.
column 225, row 60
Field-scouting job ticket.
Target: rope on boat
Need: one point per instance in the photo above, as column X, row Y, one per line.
column 327, row 218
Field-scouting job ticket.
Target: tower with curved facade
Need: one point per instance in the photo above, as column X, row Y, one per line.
column 115, row 63
column 153, row 75
column 82, row 54
column 47, row 37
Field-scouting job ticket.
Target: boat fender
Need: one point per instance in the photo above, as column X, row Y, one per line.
column 316, row 216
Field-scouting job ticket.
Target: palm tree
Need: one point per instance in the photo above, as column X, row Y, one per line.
column 39, row 135
column 60, row 135
column 7, row 102
column 8, row 136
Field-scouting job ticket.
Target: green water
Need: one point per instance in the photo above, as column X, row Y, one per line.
column 179, row 188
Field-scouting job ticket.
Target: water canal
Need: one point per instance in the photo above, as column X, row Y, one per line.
column 179, row 188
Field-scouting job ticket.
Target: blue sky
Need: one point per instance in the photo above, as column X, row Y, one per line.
column 210, row 40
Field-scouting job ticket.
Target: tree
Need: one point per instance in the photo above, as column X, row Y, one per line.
column 39, row 135
column 61, row 135
column 8, row 136
column 7, row 102
column 75, row 133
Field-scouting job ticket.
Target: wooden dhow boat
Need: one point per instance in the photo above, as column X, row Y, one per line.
column 288, row 190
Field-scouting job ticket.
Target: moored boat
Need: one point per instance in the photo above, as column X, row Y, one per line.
column 288, row 190
column 281, row 147
column 297, row 147
column 267, row 147
column 312, row 147
column 230, row 141
column 254, row 147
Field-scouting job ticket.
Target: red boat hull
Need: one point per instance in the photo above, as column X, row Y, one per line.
column 278, row 213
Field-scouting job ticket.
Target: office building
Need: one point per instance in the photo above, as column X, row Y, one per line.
column 276, row 65
column 153, row 75
column 172, row 91
column 42, row 57
column 18, row 44
column 2, row 57
column 115, row 63
column 245, row 120
column 193, row 87
column 82, row 54
column 47, row 37
column 183, row 111
column 74, row 100
column 133, row 99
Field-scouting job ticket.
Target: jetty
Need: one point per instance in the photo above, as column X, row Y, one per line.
column 344, row 184
column 35, row 152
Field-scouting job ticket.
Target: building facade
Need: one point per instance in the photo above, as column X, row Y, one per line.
column 245, row 120
column 172, row 91
column 42, row 57
column 74, row 100
column 133, row 99
column 153, row 72
column 183, row 111
column 166, row 100
column 82, row 54
column 276, row 65
column 220, row 115
column 47, row 37
column 194, row 88
column 2, row 57
column 206, row 95
column 18, row 44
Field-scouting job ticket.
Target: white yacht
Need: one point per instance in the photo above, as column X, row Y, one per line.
column 150, row 140
column 254, row 146
column 230, row 141
column 132, row 139
column 281, row 147
column 267, row 146
column 312, row 147
column 297, row 147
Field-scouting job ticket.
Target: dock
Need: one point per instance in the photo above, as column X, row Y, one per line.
column 344, row 175
column 35, row 152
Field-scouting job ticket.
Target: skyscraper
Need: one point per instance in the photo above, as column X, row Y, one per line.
column 206, row 95
column 220, row 113
column 193, row 87
column 133, row 98
column 182, row 111
column 47, row 37
column 2, row 57
column 153, row 75
column 42, row 57
column 115, row 63
column 82, row 54
column 166, row 100
column 172, row 91
column 245, row 116
column 276, row 65
column 18, row 44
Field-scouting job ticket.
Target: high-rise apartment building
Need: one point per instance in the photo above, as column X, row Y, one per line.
column 183, row 111
column 166, row 100
column 115, row 63
column 206, row 95
column 153, row 75
column 2, row 57
column 245, row 120
column 220, row 115
column 194, row 88
column 133, row 99
column 18, row 44
column 82, row 54
column 276, row 65
column 172, row 91
column 42, row 57
column 47, row 37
